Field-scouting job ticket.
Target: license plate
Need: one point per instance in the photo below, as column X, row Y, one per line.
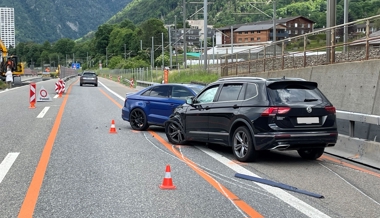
column 307, row 120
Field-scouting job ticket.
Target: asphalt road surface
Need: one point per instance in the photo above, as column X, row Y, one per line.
column 59, row 160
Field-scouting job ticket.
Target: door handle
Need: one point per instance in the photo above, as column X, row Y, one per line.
column 235, row 106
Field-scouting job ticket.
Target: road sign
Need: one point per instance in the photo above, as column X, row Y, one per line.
column 43, row 95
column 75, row 66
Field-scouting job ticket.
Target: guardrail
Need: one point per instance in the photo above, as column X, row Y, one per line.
column 141, row 83
column 357, row 117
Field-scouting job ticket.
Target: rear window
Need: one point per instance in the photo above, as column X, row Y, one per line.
column 89, row 74
column 294, row 93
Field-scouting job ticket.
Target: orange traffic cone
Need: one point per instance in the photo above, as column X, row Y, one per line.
column 167, row 183
column 113, row 128
column 32, row 105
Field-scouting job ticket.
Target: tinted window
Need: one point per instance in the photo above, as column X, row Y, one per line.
column 196, row 88
column 208, row 95
column 294, row 94
column 89, row 74
column 251, row 91
column 181, row 92
column 230, row 92
column 146, row 93
column 161, row 92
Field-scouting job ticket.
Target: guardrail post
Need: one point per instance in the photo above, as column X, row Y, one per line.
column 351, row 128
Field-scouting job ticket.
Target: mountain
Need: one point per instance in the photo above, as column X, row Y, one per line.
column 50, row 20
column 227, row 12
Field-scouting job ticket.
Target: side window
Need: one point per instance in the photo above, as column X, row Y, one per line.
column 230, row 92
column 251, row 91
column 146, row 93
column 208, row 95
column 161, row 91
column 181, row 92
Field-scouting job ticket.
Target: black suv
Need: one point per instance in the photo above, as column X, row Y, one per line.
column 253, row 114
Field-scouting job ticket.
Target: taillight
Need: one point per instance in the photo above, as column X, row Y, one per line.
column 330, row 109
column 272, row 111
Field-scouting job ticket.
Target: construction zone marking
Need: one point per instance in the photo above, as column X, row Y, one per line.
column 240, row 204
column 31, row 197
column 43, row 112
column 7, row 163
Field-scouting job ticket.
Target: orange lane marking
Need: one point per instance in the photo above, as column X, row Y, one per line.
column 113, row 100
column 31, row 197
column 223, row 190
column 350, row 165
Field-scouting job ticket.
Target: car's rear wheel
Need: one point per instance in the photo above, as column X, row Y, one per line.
column 138, row 120
column 174, row 133
column 311, row 153
column 80, row 84
column 242, row 145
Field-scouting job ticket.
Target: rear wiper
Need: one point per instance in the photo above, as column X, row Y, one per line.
column 310, row 99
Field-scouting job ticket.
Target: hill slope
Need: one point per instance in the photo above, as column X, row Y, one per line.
column 227, row 12
column 41, row 20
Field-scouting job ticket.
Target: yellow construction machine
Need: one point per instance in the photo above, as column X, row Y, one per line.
column 12, row 62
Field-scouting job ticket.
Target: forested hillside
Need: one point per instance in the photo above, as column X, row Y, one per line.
column 41, row 20
column 226, row 12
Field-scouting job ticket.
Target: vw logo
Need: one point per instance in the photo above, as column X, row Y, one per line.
column 309, row 110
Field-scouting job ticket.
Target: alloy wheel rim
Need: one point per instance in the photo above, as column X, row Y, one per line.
column 137, row 119
column 241, row 144
column 175, row 133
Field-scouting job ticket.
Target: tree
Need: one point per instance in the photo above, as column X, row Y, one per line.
column 64, row 46
column 102, row 36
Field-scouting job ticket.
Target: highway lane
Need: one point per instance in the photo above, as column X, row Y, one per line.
column 92, row 173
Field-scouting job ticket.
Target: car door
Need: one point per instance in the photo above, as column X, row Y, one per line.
column 196, row 123
column 223, row 111
column 159, row 105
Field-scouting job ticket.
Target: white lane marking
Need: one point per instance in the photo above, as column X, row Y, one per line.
column 117, row 95
column 55, row 96
column 43, row 112
column 281, row 194
column 350, row 184
column 7, row 163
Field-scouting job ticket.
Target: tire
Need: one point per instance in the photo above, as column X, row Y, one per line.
column 96, row 85
column 242, row 145
column 80, row 84
column 137, row 120
column 311, row 153
column 174, row 133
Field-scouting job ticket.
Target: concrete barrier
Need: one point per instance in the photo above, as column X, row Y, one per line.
column 359, row 150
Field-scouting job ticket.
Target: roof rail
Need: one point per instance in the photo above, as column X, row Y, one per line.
column 245, row 78
column 286, row 78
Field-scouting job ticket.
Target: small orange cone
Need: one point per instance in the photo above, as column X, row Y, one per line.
column 167, row 183
column 113, row 128
column 32, row 105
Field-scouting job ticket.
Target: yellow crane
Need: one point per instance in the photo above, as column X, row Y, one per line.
column 12, row 62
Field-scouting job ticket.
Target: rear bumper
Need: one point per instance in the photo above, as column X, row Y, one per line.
column 88, row 81
column 295, row 140
column 125, row 114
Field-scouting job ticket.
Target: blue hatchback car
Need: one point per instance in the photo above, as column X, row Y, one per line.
column 153, row 105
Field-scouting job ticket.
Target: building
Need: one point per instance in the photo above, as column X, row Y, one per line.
column 7, row 26
column 295, row 26
column 262, row 31
column 252, row 33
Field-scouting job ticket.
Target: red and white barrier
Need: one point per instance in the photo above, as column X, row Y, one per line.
column 32, row 95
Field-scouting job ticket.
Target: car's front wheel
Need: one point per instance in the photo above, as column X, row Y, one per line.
column 242, row 145
column 174, row 133
column 138, row 120
column 311, row 153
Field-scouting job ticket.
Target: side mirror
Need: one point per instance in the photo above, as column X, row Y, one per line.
column 190, row 101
